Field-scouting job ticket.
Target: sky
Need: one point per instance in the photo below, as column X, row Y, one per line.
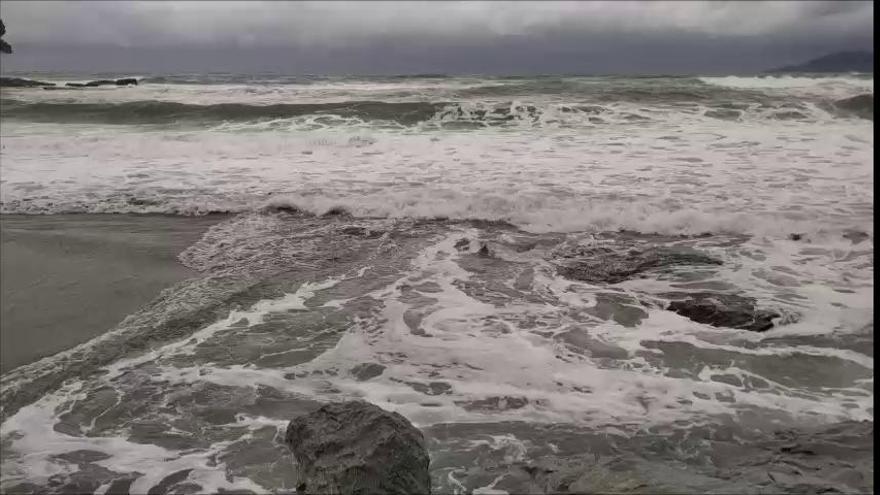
column 409, row 37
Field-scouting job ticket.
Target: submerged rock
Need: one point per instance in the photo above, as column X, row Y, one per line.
column 358, row 448
column 606, row 265
column 722, row 310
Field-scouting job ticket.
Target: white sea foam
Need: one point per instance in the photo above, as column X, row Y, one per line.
column 461, row 350
column 673, row 175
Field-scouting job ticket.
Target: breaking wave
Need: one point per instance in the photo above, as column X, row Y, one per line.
column 461, row 115
column 533, row 213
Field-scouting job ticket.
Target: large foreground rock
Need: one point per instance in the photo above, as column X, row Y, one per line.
column 722, row 310
column 358, row 448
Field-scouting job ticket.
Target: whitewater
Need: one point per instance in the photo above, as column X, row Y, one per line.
column 420, row 242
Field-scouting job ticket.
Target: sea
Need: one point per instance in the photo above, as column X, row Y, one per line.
column 404, row 240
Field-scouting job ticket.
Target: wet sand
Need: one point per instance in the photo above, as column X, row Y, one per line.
column 65, row 279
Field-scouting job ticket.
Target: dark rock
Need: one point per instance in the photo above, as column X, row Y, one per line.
column 723, row 114
column 722, row 310
column 100, row 82
column 795, row 237
column 855, row 236
column 293, row 210
column 484, row 251
column 610, row 266
column 337, row 211
column 462, row 244
column 861, row 106
column 358, row 448
column 432, row 388
column 17, row 82
column 104, row 82
column 789, row 115
column 366, row 371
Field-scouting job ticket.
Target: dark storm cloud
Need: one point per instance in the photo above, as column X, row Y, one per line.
column 361, row 37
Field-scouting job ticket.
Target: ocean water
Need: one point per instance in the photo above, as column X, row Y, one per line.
column 399, row 240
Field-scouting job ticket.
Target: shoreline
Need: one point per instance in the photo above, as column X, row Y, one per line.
column 69, row 278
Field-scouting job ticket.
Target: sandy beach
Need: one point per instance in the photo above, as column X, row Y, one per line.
column 69, row 278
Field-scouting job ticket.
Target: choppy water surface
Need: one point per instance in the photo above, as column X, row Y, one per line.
column 406, row 241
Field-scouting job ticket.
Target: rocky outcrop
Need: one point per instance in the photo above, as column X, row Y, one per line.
column 4, row 46
column 92, row 84
column 606, row 265
column 358, row 448
column 17, row 82
column 722, row 310
column 127, row 81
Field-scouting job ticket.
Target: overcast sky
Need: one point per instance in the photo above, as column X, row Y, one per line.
column 429, row 37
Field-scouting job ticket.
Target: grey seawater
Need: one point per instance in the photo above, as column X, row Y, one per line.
column 524, row 375
column 680, row 302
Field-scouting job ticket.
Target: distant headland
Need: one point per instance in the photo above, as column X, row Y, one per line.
column 834, row 62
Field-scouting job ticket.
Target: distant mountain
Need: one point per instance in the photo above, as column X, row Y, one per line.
column 835, row 62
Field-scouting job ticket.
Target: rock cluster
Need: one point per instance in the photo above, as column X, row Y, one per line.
column 612, row 264
column 17, row 82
